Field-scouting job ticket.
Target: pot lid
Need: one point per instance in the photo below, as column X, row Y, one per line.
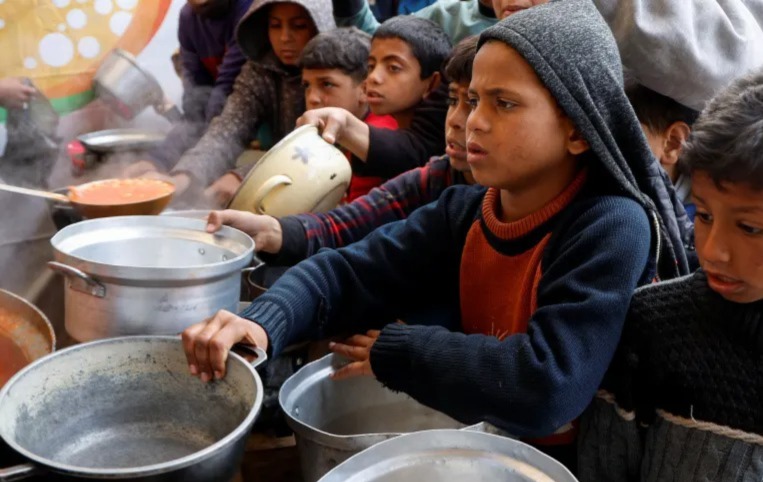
column 152, row 248
column 449, row 456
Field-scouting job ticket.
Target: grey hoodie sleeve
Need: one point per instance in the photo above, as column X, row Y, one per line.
column 228, row 133
column 687, row 50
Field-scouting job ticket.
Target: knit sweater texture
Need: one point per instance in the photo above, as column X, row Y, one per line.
column 683, row 398
column 396, row 199
column 535, row 382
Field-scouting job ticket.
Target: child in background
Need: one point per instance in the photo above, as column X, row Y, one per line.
column 290, row 239
column 208, row 62
column 209, row 54
column 667, row 125
column 457, row 18
column 267, row 91
column 404, row 81
column 682, row 398
column 334, row 68
column 537, row 270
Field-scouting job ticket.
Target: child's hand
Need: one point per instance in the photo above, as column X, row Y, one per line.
column 331, row 121
column 223, row 190
column 207, row 344
column 357, row 348
column 265, row 230
column 14, row 94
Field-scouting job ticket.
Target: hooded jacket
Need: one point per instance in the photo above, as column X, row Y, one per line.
column 266, row 91
column 596, row 251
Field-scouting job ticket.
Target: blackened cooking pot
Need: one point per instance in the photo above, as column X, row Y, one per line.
column 128, row 409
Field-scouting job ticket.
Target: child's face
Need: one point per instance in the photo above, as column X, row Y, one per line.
column 505, row 8
column 333, row 88
column 289, row 30
column 728, row 232
column 394, row 84
column 455, row 125
column 517, row 137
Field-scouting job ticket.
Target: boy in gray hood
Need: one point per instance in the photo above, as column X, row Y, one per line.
column 267, row 91
column 533, row 274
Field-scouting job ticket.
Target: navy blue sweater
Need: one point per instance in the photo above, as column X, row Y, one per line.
column 529, row 384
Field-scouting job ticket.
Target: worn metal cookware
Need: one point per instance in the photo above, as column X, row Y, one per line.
column 25, row 334
column 450, row 456
column 334, row 420
column 128, row 409
column 139, row 275
column 153, row 204
column 122, row 84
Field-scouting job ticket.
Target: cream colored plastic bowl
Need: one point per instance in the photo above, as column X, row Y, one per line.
column 301, row 174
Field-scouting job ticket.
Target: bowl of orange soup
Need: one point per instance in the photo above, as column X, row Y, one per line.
column 121, row 197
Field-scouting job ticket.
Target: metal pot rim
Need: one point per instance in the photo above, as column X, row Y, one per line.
column 304, row 379
column 444, row 440
column 145, row 470
column 132, row 273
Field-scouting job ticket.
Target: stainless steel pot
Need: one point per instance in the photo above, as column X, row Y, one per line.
column 147, row 275
column 128, row 409
column 450, row 456
column 333, row 420
column 122, row 84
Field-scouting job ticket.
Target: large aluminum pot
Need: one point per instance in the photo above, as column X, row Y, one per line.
column 128, row 409
column 122, row 84
column 147, row 275
column 450, row 456
column 333, row 420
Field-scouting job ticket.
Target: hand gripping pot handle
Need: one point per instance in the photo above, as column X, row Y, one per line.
column 19, row 472
column 267, row 186
column 79, row 280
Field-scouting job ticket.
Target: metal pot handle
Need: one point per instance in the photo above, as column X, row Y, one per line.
column 171, row 113
column 19, row 472
column 78, row 280
column 267, row 186
column 261, row 355
column 248, row 271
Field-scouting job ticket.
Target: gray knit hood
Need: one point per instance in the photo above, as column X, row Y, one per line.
column 252, row 30
column 574, row 54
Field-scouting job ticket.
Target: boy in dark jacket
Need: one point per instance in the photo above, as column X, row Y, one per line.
column 683, row 398
column 537, row 268
column 404, row 81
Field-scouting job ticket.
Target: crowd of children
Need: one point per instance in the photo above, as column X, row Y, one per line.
column 569, row 226
column 565, row 208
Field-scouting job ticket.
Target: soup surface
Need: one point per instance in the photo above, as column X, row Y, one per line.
column 12, row 358
column 120, row 191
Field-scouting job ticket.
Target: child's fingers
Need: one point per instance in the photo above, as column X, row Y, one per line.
column 351, row 370
column 353, row 352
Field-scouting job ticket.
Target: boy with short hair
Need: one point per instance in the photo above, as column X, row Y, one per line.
column 334, row 68
column 536, row 270
column 682, row 397
column 667, row 125
column 290, row 239
column 404, row 81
